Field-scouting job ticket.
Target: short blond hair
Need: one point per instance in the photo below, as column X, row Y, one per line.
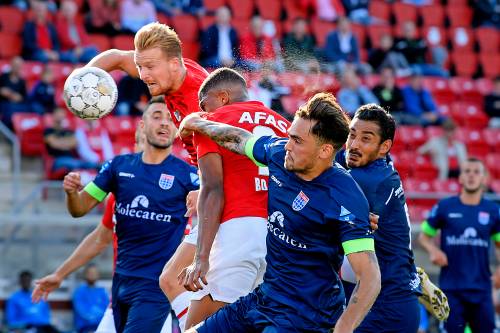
column 158, row 35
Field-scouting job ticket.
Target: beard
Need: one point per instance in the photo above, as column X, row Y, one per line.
column 152, row 142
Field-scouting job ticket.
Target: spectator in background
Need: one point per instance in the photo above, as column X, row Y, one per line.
column 220, row 42
column 357, row 11
column 40, row 42
column 298, row 47
column 61, row 144
column 420, row 108
column 447, row 153
column 89, row 302
column 386, row 56
column 133, row 96
column 342, row 50
column 72, row 35
column 42, row 96
column 255, row 46
column 93, row 143
column 414, row 49
column 486, row 13
column 178, row 7
column 353, row 94
column 388, row 94
column 326, row 10
column 104, row 17
column 136, row 13
column 22, row 314
column 492, row 104
column 12, row 92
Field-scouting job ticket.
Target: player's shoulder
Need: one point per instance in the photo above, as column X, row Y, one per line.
column 121, row 160
column 448, row 203
column 490, row 205
column 195, row 70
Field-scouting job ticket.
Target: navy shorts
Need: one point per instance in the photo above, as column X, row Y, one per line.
column 394, row 317
column 472, row 307
column 256, row 312
column 138, row 304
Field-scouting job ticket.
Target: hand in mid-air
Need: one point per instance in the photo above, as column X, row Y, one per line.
column 191, row 202
column 496, row 278
column 194, row 275
column 187, row 127
column 72, row 183
column 45, row 286
column 438, row 258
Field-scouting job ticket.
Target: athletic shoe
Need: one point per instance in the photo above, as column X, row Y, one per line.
column 433, row 298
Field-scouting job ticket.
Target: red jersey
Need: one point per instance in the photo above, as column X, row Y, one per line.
column 245, row 184
column 109, row 221
column 184, row 101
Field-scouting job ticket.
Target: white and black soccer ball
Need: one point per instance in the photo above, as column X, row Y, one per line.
column 90, row 93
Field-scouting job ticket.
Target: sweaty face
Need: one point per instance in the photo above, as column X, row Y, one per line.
column 363, row 143
column 472, row 176
column 302, row 149
column 154, row 70
column 158, row 126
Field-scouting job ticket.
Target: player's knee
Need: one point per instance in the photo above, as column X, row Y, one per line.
column 168, row 283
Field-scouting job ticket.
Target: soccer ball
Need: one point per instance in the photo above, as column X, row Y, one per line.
column 90, row 93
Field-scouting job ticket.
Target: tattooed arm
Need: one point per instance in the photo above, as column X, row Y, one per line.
column 227, row 136
column 365, row 266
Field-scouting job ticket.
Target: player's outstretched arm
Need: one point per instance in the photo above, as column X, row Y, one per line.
column 78, row 202
column 90, row 246
column 114, row 59
column 436, row 255
column 365, row 266
column 227, row 136
column 210, row 205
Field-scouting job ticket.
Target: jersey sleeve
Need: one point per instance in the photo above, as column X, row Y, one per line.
column 107, row 217
column 434, row 222
column 259, row 149
column 204, row 145
column 194, row 179
column 103, row 182
column 495, row 233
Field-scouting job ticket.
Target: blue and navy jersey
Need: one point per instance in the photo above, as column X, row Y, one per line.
column 311, row 224
column 382, row 187
column 150, row 207
column 465, row 238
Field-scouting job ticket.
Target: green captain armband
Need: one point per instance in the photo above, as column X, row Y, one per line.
column 496, row 237
column 95, row 192
column 358, row 245
column 428, row 230
column 249, row 150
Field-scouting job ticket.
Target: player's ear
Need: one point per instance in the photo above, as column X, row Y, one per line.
column 326, row 151
column 224, row 96
column 141, row 125
column 385, row 146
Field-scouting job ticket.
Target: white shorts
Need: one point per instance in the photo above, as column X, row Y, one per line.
column 107, row 323
column 192, row 237
column 237, row 260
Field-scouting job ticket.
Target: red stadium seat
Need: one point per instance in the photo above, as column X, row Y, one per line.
column 418, row 213
column 465, row 63
column 102, row 42
column 493, row 165
column 449, row 186
column 462, row 39
column 377, row 31
column 61, row 70
column 469, row 115
column 191, row 50
column 120, row 148
column 121, row 128
column 11, row 19
column 457, row 2
column 242, row 9
column 402, row 165
column 242, row 26
column 492, row 138
column 404, row 12
column 29, row 129
column 359, row 31
column 269, row 9
column 10, row 45
column 321, row 29
column 495, row 186
column 417, row 185
column 432, row 15
column 206, row 21
column 213, row 5
column 434, row 35
column 380, row 10
column 488, row 39
column 186, row 27
column 412, row 136
column 291, row 103
column 123, row 42
column 459, row 16
column 466, row 91
column 475, row 142
column 440, row 90
column 297, row 82
column 490, row 63
column 433, row 131
column 484, row 86
column 294, row 9
column 423, row 168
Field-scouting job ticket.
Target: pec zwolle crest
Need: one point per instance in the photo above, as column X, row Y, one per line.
column 166, row 181
column 300, row 201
